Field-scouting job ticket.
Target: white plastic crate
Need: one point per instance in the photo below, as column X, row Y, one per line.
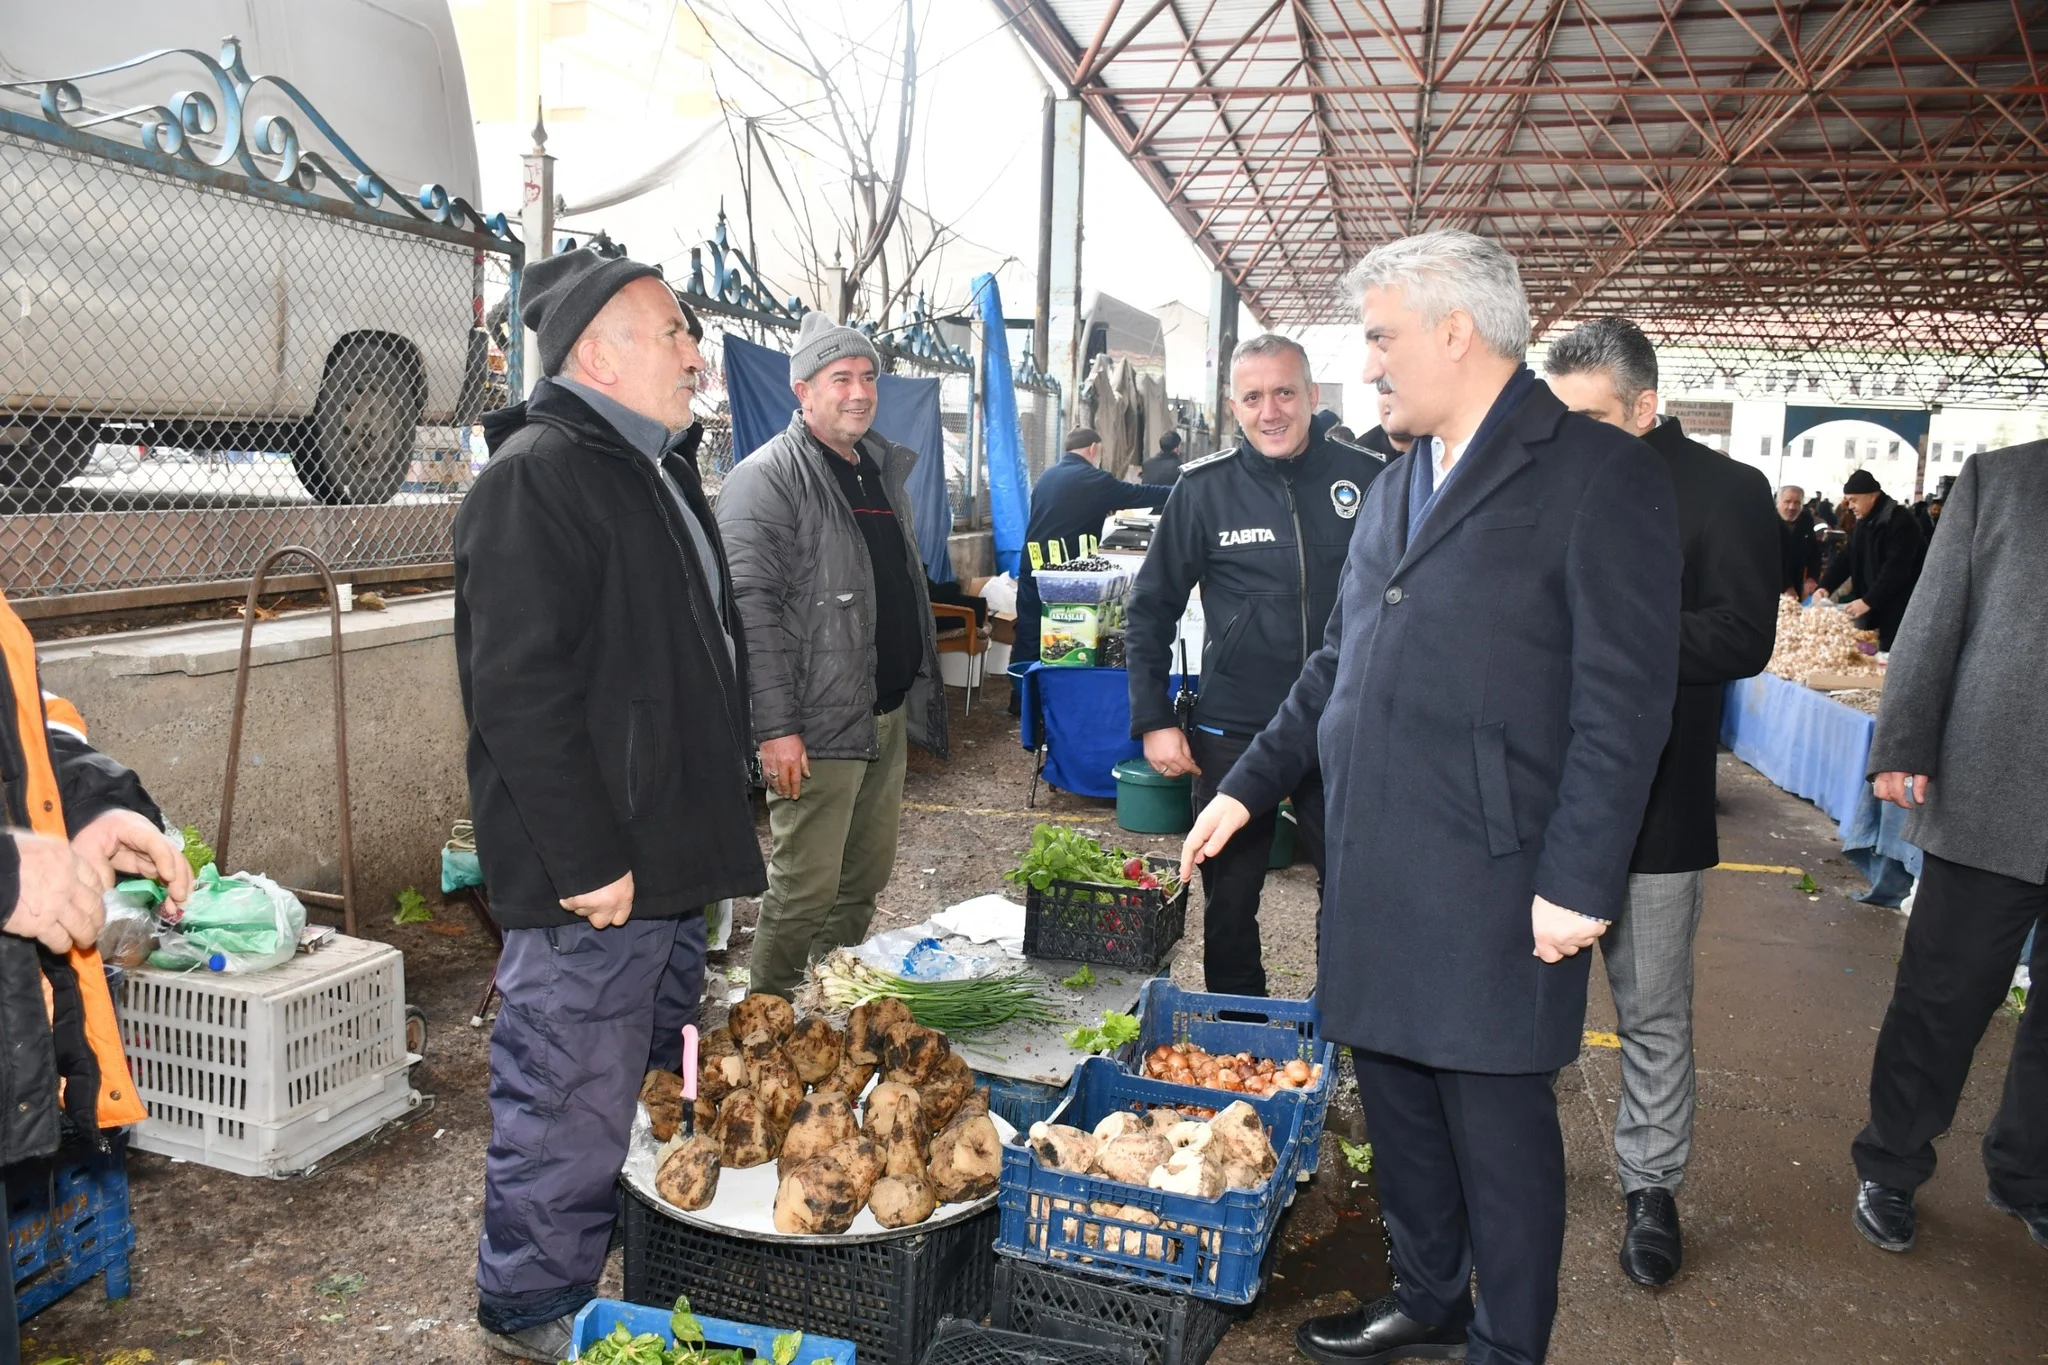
column 266, row 1074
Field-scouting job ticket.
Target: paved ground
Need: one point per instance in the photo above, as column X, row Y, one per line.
column 372, row 1258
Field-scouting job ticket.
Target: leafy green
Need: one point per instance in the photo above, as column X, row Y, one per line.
column 1357, row 1155
column 197, row 851
column 1806, row 885
column 1112, row 1033
column 1059, row 854
column 785, row 1347
column 341, row 1288
column 1081, row 980
column 412, row 908
column 684, row 1323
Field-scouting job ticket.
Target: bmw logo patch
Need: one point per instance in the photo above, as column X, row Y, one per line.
column 1345, row 497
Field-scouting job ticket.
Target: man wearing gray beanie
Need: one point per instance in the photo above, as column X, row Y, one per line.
column 604, row 676
column 841, row 647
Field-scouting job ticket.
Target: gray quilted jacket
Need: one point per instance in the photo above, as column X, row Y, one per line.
column 806, row 594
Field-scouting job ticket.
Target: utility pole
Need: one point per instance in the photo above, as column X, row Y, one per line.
column 1041, row 315
column 537, row 227
column 1062, row 358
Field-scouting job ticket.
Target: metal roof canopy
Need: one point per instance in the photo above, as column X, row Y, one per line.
column 1857, row 184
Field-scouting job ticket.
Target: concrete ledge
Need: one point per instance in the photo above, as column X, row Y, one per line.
column 209, row 647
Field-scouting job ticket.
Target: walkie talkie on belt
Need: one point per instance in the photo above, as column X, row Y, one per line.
column 1184, row 699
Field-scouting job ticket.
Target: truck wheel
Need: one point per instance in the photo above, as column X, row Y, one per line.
column 45, row 452
column 363, row 426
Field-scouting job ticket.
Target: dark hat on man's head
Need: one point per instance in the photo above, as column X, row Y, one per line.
column 1080, row 438
column 560, row 295
column 1862, row 481
column 1170, row 442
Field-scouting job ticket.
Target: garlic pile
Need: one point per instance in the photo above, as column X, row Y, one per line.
column 1819, row 639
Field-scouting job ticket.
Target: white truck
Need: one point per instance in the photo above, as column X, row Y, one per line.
column 166, row 301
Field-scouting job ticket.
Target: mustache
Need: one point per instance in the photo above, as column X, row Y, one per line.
column 1382, row 386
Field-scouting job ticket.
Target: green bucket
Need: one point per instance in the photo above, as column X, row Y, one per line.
column 1147, row 803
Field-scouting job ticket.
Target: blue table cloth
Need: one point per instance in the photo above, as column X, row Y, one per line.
column 1815, row 747
column 1081, row 717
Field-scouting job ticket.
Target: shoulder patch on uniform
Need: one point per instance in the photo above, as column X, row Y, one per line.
column 1207, row 460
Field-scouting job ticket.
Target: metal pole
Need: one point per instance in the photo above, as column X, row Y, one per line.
column 1222, row 341
column 1042, row 312
column 1062, row 359
column 537, row 226
column 977, row 417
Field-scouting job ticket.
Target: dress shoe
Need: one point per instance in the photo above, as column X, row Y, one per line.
column 1652, row 1248
column 2035, row 1216
column 1375, row 1334
column 1885, row 1215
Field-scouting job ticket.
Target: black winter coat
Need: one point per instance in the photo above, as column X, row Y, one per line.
column 1882, row 560
column 608, row 727
column 1727, row 625
column 1071, row 499
column 1488, row 705
column 1798, row 552
column 1266, row 540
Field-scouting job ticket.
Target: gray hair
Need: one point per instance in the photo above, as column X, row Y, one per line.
column 1273, row 344
column 1440, row 272
column 1793, row 488
column 1613, row 346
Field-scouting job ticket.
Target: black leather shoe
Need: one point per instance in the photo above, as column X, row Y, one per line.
column 1885, row 1215
column 1375, row 1334
column 1652, row 1248
column 2035, row 1216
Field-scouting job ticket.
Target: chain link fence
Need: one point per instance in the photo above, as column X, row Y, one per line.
column 193, row 374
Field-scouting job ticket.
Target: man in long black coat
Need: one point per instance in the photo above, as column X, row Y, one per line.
column 1488, row 706
column 1882, row 560
column 1728, row 619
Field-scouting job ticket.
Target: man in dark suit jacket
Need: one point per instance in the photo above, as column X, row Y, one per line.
column 1728, row 621
column 1488, row 706
column 1881, row 562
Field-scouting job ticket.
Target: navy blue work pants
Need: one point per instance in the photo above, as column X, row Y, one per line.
column 1471, row 1175
column 586, row 1013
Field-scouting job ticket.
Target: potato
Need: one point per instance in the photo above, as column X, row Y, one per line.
column 901, row 1157
column 865, row 1025
column 688, row 1177
column 862, row 1162
column 850, row 1077
column 1240, row 1176
column 975, row 1104
column 719, row 1042
column 899, row 1201
column 662, row 1093
column 1132, row 1158
column 814, row 1048
column 821, row 1122
column 911, row 1053
column 759, row 1013
column 815, row 1198
column 780, row 1089
column 746, row 1136
column 1132, row 1243
column 947, row 1090
column 1162, row 1120
column 707, row 1115
column 1241, row 1136
column 1118, row 1124
column 1188, row 1133
column 895, row 1113
column 967, row 1160
column 1063, row 1148
column 719, row 1078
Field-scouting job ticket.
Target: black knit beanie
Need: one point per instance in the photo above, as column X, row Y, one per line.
column 560, row 295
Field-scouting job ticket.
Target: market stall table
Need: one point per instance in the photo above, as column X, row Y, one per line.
column 1815, row 747
column 1078, row 721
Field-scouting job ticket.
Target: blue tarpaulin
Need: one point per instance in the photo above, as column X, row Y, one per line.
column 1009, row 489
column 1082, row 718
column 1815, row 747
column 906, row 411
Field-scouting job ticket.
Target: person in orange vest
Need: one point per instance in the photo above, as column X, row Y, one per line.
column 76, row 822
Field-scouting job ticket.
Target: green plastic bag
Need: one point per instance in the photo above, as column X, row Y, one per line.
column 243, row 923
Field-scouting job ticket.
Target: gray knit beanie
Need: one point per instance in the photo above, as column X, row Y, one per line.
column 820, row 341
column 559, row 296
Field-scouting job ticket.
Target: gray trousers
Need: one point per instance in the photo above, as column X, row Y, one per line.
column 1649, row 971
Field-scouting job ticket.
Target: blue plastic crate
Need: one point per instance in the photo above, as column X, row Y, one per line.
column 1283, row 1030
column 1020, row 1103
column 1211, row 1248
column 600, row 1316
column 67, row 1221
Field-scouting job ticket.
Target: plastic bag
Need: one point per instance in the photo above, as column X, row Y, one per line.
column 1000, row 593
column 243, row 923
column 129, row 934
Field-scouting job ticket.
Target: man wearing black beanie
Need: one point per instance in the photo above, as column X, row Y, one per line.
column 604, row 674
column 1881, row 562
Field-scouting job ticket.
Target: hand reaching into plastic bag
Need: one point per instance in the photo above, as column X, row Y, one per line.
column 121, row 844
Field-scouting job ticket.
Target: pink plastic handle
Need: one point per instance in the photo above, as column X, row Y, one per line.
column 690, row 1063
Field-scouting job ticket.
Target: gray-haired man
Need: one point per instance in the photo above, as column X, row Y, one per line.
column 841, row 647
column 1728, row 619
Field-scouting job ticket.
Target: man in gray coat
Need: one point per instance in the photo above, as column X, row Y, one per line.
column 841, row 649
column 1962, row 743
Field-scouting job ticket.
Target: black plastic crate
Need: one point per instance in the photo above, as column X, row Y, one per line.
column 887, row 1297
column 1112, row 926
column 969, row 1343
column 1072, row 1306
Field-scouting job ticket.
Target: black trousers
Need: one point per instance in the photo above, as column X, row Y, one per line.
column 1471, row 1175
column 1962, row 944
column 1233, row 879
